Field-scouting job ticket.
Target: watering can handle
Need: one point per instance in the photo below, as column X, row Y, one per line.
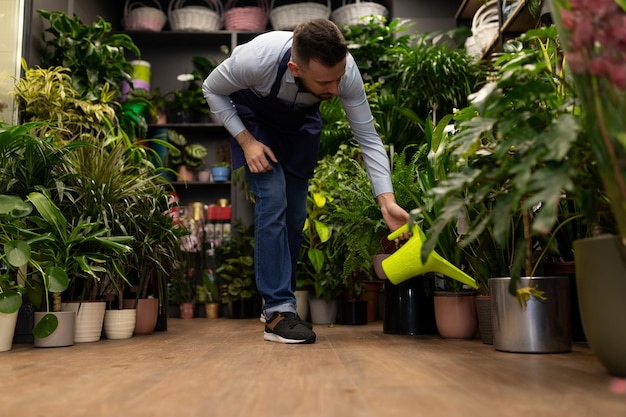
column 394, row 235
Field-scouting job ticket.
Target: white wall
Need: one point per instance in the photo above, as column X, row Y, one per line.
column 11, row 18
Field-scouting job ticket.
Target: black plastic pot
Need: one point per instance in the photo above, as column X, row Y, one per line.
column 409, row 309
column 353, row 312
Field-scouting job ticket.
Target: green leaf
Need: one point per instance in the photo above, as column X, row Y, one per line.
column 17, row 252
column 46, row 326
column 316, row 257
column 10, row 302
column 323, row 231
column 57, row 279
column 49, row 212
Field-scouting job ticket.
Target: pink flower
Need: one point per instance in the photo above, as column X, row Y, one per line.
column 582, row 37
column 598, row 66
column 577, row 62
column 617, row 73
column 569, row 19
column 618, row 28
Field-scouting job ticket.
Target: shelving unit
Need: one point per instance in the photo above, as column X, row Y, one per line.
column 519, row 21
column 170, row 53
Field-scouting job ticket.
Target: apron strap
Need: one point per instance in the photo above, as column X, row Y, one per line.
column 282, row 68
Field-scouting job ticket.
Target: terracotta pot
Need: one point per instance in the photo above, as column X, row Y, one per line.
column 455, row 314
column 147, row 314
column 186, row 310
column 377, row 261
column 184, row 173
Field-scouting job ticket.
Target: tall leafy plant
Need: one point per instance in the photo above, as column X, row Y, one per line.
column 96, row 57
column 518, row 147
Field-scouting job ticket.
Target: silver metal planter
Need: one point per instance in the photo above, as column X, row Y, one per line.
column 542, row 327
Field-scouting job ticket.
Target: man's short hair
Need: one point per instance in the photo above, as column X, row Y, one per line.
column 320, row 40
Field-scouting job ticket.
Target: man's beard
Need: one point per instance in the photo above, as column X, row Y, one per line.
column 302, row 86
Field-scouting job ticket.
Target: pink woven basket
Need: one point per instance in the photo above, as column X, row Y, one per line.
column 248, row 18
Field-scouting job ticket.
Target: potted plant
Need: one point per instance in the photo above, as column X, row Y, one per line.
column 96, row 57
column 184, row 157
column 71, row 249
column 518, row 148
column 235, row 272
column 212, row 294
column 15, row 255
column 321, row 259
column 184, row 295
column 105, row 168
column 188, row 105
column 220, row 171
column 596, row 64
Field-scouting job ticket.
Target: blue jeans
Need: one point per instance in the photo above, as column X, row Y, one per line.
column 279, row 216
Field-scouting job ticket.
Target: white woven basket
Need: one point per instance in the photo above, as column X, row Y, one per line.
column 353, row 14
column 485, row 26
column 195, row 18
column 287, row 17
column 139, row 17
column 246, row 18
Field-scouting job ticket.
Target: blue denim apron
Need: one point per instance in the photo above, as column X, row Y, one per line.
column 292, row 134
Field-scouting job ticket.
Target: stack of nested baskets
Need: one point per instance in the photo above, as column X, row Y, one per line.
column 252, row 18
column 140, row 17
column 352, row 12
column 485, row 26
column 195, row 18
column 287, row 17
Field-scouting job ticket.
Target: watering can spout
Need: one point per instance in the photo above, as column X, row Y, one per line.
column 406, row 262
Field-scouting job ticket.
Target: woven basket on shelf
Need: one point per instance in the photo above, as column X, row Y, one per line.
column 246, row 18
column 139, row 17
column 485, row 26
column 287, row 17
column 195, row 18
column 352, row 14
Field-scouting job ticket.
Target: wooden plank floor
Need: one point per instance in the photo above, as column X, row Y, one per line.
column 224, row 368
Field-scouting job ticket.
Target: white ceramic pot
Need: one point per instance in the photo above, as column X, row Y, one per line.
column 89, row 319
column 64, row 333
column 119, row 324
column 7, row 330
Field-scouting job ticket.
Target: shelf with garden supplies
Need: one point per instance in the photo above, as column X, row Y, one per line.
column 201, row 159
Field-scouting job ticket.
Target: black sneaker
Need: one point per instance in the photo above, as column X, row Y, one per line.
column 287, row 328
column 306, row 323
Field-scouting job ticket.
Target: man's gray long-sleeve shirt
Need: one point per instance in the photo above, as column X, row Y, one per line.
column 254, row 66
